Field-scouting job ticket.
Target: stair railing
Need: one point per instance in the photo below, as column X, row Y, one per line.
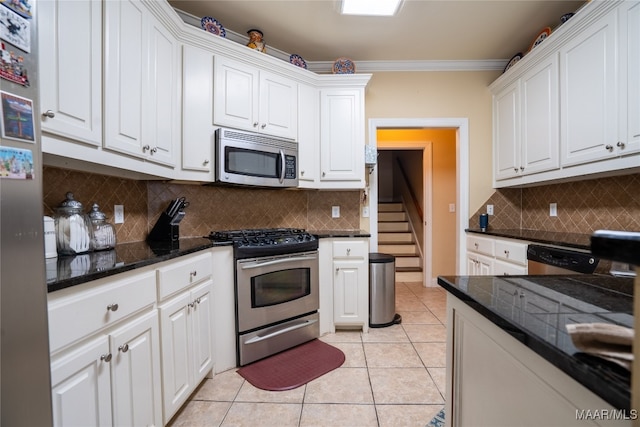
column 414, row 210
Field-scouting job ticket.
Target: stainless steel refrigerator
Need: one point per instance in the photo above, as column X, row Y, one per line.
column 25, row 375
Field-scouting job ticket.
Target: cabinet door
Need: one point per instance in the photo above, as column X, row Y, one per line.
column 136, row 387
column 80, row 386
column 588, row 99
column 71, row 78
column 236, row 100
column 125, row 71
column 308, row 135
column 341, row 135
column 506, row 125
column 161, row 125
column 177, row 378
column 197, row 110
column 629, row 82
column 350, row 292
column 201, row 330
column 278, row 106
column 540, row 119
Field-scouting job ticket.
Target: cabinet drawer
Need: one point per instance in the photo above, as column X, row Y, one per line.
column 77, row 315
column 178, row 275
column 480, row 244
column 350, row 249
column 511, row 251
column 501, row 268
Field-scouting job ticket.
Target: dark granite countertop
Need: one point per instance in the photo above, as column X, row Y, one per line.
column 570, row 240
column 67, row 271
column 567, row 299
column 339, row 233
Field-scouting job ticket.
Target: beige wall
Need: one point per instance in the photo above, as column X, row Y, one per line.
column 442, row 95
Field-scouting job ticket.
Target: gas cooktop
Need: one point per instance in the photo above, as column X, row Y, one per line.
column 266, row 241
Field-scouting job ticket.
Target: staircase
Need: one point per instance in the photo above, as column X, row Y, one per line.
column 395, row 237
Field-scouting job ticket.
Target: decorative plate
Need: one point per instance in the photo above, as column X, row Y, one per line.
column 540, row 37
column 517, row 57
column 212, row 26
column 298, row 61
column 344, row 65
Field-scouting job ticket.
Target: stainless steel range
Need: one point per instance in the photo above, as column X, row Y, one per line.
column 277, row 289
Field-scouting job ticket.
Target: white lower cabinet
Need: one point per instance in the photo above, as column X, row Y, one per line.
column 494, row 380
column 81, row 386
column 351, row 283
column 187, row 344
column 495, row 256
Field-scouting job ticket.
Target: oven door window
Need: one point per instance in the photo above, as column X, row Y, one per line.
column 280, row 286
column 242, row 161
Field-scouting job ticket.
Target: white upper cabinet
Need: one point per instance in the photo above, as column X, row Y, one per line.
column 71, row 77
column 629, row 30
column 141, row 78
column 342, row 137
column 251, row 99
column 571, row 107
column 197, row 112
column 589, row 91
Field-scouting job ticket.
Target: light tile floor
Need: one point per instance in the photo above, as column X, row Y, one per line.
column 393, row 376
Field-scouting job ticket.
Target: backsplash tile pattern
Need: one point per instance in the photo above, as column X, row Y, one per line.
column 106, row 191
column 583, row 206
column 211, row 207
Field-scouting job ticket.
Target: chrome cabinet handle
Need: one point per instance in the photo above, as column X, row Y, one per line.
column 609, row 147
column 301, row 173
column 620, row 144
column 635, row 136
column 50, row 114
column 264, row 125
column 476, row 245
column 145, row 148
column 194, row 273
column 515, row 170
column 106, row 357
column 124, row 348
column 154, row 150
column 506, row 252
column 206, row 162
column 348, row 251
column 112, row 307
column 255, row 124
column 521, row 168
column 323, row 174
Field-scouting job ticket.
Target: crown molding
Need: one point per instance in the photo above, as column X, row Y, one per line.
column 323, row 67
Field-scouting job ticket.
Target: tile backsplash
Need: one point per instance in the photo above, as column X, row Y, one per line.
column 211, row 207
column 583, row 206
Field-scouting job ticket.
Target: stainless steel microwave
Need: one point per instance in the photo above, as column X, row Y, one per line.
column 248, row 158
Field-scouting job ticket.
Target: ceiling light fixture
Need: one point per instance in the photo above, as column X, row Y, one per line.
column 370, row 7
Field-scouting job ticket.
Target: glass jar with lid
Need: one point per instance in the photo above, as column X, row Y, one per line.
column 73, row 229
column 103, row 234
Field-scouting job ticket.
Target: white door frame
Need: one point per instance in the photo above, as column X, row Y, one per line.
column 462, row 178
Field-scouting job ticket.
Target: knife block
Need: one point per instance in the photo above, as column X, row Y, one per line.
column 164, row 230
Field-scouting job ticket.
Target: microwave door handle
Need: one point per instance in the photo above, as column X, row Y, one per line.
column 277, row 261
column 282, row 166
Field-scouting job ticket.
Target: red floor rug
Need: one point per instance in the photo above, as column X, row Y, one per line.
column 294, row 367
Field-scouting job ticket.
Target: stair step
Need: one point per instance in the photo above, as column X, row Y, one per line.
column 395, row 237
column 393, row 226
column 398, row 249
column 408, row 261
column 390, row 207
column 391, row 216
column 409, row 276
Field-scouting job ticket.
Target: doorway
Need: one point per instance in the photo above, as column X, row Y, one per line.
column 460, row 203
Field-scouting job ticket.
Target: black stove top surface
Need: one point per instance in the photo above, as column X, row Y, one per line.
column 267, row 241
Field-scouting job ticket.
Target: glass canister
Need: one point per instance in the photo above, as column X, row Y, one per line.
column 73, row 229
column 103, row 234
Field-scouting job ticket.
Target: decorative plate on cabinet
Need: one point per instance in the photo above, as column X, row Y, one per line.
column 540, row 37
column 517, row 57
column 298, row 61
column 344, row 65
column 211, row 25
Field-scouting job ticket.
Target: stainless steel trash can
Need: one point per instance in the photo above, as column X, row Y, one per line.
column 382, row 291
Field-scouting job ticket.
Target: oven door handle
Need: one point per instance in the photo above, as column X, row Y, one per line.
column 259, row 338
column 283, row 165
column 277, row 261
